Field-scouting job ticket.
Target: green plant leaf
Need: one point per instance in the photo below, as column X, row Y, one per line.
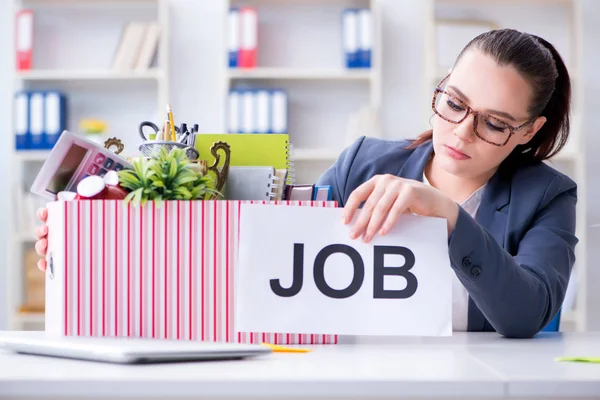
column 173, row 169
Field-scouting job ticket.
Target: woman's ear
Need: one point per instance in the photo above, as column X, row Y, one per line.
column 531, row 130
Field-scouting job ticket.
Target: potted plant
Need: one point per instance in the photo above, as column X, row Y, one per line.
column 166, row 176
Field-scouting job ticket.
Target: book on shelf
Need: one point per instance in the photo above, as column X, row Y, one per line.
column 138, row 46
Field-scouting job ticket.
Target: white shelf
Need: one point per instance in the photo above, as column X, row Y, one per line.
column 31, row 318
column 85, row 75
column 315, row 154
column 92, row 89
column 32, row 155
column 300, row 74
column 517, row 2
column 71, row 3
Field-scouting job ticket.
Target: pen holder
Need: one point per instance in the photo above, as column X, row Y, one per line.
column 150, row 147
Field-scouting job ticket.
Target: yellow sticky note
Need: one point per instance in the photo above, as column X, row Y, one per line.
column 580, row 359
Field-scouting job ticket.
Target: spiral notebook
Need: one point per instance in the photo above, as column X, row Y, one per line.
column 251, row 149
column 254, row 183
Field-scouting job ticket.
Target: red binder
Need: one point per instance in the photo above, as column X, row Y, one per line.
column 24, row 39
column 249, row 37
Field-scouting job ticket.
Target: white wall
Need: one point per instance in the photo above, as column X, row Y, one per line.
column 196, row 87
column 592, row 108
column 5, row 99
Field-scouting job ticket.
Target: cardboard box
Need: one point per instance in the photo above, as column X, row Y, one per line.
column 160, row 271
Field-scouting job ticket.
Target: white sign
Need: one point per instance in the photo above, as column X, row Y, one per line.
column 299, row 271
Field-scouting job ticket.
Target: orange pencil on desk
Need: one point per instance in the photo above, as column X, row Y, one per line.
column 170, row 114
column 285, row 349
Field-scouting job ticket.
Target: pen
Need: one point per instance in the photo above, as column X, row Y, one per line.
column 182, row 131
column 170, row 114
column 194, row 133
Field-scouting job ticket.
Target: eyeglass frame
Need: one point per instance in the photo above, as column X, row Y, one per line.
column 512, row 129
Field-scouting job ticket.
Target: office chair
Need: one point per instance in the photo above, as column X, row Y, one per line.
column 554, row 325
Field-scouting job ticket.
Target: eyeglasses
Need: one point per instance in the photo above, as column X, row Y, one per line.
column 493, row 130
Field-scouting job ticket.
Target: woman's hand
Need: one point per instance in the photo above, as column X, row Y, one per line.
column 387, row 197
column 40, row 234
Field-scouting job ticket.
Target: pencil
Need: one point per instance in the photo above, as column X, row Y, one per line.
column 170, row 114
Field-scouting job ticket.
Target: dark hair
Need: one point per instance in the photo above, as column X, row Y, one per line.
column 540, row 64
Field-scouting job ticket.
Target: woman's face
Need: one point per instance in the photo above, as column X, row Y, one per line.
column 479, row 82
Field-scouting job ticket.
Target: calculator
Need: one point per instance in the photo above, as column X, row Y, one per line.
column 72, row 159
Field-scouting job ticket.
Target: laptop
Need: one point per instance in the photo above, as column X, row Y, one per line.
column 126, row 350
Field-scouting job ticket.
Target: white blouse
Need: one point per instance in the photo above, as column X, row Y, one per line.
column 460, row 296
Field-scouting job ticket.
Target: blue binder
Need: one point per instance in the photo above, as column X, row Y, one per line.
column 55, row 117
column 234, row 36
column 350, row 37
column 36, row 121
column 365, row 38
column 21, row 118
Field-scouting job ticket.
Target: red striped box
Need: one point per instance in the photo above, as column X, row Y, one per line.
column 160, row 271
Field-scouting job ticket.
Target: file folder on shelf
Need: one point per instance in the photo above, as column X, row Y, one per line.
column 55, row 121
column 21, row 118
column 233, row 38
column 365, row 38
column 249, row 37
column 36, row 120
column 260, row 110
column 24, row 39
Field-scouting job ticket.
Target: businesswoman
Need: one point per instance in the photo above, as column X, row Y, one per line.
column 502, row 110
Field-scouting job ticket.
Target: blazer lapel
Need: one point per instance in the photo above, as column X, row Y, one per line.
column 491, row 215
column 415, row 164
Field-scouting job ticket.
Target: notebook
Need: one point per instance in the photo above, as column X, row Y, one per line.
column 251, row 149
column 251, row 183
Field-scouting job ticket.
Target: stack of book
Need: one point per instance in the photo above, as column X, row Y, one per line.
column 138, row 47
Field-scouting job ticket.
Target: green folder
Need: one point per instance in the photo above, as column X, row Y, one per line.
column 249, row 149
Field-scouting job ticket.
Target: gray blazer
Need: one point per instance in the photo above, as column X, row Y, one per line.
column 514, row 258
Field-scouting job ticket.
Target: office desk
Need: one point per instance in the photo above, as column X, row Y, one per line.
column 470, row 365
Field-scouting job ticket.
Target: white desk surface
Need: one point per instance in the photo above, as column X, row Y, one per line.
column 473, row 365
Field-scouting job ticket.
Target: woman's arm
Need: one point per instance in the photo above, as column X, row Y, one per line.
column 518, row 294
column 337, row 175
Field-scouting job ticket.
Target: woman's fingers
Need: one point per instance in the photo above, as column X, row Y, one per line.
column 366, row 212
column 42, row 264
column 381, row 210
column 42, row 214
column 357, row 196
column 41, row 247
column 41, row 232
column 400, row 206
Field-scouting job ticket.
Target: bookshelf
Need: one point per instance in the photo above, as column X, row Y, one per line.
column 300, row 51
column 83, row 71
column 560, row 22
column 88, row 75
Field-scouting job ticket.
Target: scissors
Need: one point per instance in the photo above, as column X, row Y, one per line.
column 152, row 126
